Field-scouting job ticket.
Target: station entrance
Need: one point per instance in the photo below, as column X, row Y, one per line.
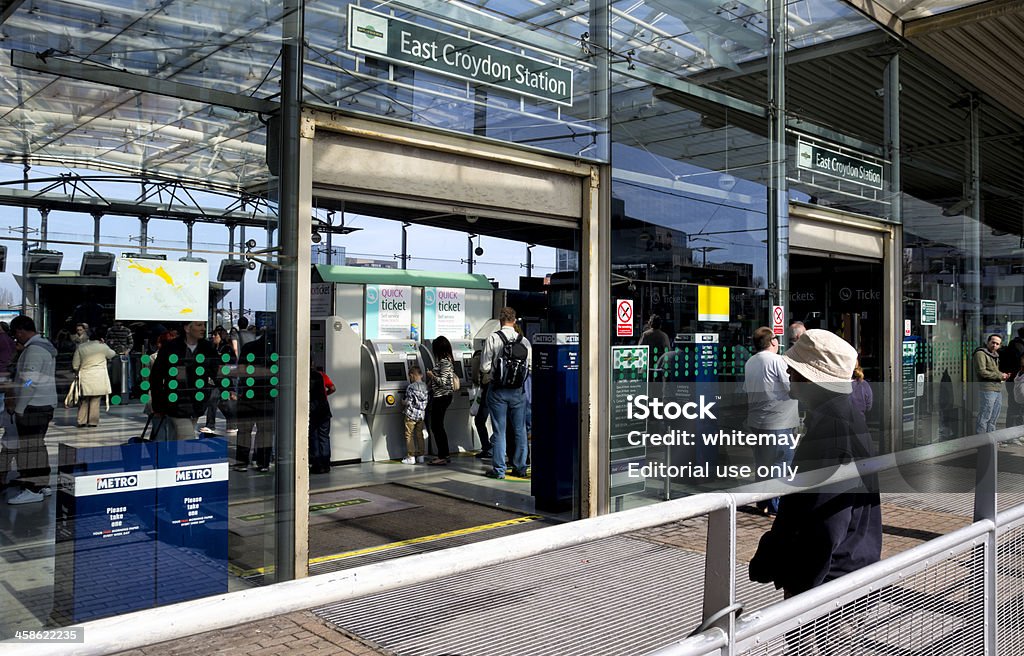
column 498, row 207
column 841, row 279
column 368, row 350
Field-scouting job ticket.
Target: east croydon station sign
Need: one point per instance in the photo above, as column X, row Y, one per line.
column 403, row 42
column 812, row 157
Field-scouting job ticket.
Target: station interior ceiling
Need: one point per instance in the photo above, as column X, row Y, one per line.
column 87, row 84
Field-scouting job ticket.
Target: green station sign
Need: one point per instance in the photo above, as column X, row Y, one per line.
column 403, row 42
column 812, row 157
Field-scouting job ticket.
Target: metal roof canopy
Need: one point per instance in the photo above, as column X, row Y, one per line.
column 179, row 88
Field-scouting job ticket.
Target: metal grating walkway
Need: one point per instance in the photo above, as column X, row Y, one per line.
column 606, row 597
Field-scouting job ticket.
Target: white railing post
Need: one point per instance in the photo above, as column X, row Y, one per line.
column 720, row 574
column 985, row 507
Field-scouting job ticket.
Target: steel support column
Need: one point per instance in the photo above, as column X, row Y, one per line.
column 44, row 227
column 143, row 234
column 972, row 192
column 778, row 199
column 291, row 480
column 241, row 283
column 405, row 244
column 24, row 234
column 97, row 218
column 595, row 288
column 892, row 311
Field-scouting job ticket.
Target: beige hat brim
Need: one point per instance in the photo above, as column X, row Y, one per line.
column 820, row 378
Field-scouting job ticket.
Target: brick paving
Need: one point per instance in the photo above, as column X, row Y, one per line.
column 304, row 633
column 284, row 635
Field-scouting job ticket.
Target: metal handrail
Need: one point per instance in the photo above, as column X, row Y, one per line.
column 211, row 613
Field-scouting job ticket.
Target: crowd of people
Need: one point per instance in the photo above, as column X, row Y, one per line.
column 182, row 387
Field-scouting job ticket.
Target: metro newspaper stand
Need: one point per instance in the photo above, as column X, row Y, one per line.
column 139, row 525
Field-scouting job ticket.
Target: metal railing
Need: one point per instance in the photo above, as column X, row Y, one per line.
column 826, row 619
column 959, row 593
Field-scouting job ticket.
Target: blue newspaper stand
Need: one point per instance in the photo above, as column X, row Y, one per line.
column 191, row 520
column 105, row 546
column 556, row 399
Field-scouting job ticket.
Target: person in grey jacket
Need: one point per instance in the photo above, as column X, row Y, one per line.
column 990, row 384
column 37, row 397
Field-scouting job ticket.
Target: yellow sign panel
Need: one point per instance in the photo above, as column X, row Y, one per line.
column 712, row 303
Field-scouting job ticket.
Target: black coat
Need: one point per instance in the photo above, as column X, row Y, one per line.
column 823, row 534
column 179, row 374
column 258, row 378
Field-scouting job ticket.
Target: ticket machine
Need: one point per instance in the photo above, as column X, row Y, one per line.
column 457, row 421
column 384, row 375
column 335, row 345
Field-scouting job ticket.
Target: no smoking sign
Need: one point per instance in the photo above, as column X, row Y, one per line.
column 778, row 320
column 624, row 318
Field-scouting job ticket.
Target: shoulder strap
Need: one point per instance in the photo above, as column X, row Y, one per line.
column 504, row 340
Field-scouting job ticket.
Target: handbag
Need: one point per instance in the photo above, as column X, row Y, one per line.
column 74, row 394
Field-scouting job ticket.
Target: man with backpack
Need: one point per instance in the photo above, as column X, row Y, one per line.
column 506, row 358
column 1009, row 363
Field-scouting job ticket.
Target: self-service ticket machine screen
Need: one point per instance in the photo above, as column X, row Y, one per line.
column 384, row 376
column 457, row 422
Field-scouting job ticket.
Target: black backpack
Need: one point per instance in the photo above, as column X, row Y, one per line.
column 510, row 366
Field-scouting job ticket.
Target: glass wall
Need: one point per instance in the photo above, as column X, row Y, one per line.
column 140, row 428
column 962, row 239
column 689, row 261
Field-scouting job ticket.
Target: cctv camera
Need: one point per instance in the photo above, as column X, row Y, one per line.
column 316, row 238
column 478, row 250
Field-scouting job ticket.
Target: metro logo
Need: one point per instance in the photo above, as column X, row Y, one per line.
column 182, row 475
column 117, row 482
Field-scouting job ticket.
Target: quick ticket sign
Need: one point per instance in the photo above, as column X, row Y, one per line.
column 403, row 42
column 444, row 312
column 388, row 311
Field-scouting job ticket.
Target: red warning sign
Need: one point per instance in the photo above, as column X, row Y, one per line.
column 624, row 318
column 778, row 320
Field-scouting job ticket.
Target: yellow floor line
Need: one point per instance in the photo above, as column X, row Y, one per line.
column 235, row 570
column 425, row 538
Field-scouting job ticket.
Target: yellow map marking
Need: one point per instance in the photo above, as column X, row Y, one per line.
column 163, row 275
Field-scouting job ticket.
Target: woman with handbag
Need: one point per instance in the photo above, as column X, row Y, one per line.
column 92, row 379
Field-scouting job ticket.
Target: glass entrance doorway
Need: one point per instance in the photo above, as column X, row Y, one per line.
column 385, row 294
column 844, row 296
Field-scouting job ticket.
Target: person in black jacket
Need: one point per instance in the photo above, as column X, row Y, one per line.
column 256, row 391
column 1009, row 363
column 182, row 380
column 823, row 533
